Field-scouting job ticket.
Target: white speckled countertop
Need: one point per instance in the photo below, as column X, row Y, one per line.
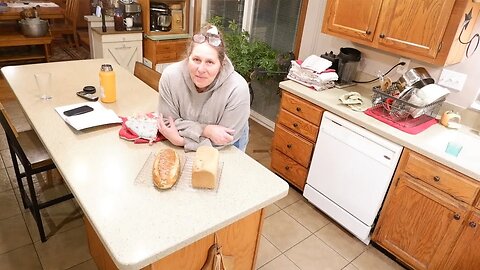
column 137, row 223
column 430, row 142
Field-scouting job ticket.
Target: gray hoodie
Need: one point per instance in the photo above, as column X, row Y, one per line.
column 225, row 103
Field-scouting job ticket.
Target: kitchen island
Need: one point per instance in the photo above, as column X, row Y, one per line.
column 130, row 224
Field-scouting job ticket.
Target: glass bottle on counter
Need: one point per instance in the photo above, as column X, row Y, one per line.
column 118, row 20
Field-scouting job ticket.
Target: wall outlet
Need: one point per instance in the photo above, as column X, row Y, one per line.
column 452, row 79
column 404, row 68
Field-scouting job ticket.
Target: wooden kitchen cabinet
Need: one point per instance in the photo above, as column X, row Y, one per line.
column 426, row 30
column 427, row 208
column 294, row 138
column 164, row 51
column 465, row 252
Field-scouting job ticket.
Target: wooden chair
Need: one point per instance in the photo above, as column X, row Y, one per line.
column 27, row 147
column 147, row 75
column 69, row 25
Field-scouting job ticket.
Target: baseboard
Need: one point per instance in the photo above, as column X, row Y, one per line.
column 262, row 120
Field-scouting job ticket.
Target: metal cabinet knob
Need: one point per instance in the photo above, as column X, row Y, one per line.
column 436, row 178
column 289, row 145
column 456, row 216
column 295, row 125
column 368, row 32
column 287, row 168
column 299, row 109
column 472, row 224
column 382, row 35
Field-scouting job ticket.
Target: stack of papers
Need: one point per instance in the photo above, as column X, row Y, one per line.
column 99, row 116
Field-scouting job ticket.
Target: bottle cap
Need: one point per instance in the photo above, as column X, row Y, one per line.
column 106, row 67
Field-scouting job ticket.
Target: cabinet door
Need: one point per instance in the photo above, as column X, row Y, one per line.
column 415, row 26
column 465, row 253
column 352, row 18
column 417, row 224
column 124, row 53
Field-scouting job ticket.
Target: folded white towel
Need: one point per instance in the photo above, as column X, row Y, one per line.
column 316, row 63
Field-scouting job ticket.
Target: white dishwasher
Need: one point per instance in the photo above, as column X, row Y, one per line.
column 350, row 173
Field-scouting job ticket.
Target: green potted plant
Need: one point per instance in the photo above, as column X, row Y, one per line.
column 253, row 59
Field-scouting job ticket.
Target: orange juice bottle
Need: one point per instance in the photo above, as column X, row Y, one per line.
column 108, row 88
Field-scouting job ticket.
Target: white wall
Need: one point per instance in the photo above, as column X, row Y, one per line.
column 315, row 42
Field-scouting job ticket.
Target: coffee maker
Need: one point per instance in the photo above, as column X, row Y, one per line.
column 133, row 11
column 345, row 64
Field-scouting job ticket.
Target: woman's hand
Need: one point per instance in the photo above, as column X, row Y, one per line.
column 219, row 135
column 170, row 132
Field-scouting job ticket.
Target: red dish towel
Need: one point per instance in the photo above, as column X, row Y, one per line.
column 410, row 125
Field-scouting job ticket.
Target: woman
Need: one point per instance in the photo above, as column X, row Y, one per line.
column 203, row 100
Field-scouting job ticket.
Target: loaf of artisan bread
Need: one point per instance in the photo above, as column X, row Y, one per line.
column 205, row 168
column 166, row 168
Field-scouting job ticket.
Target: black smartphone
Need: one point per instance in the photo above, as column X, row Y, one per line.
column 79, row 110
column 88, row 96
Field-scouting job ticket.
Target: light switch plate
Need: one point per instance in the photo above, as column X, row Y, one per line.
column 452, row 79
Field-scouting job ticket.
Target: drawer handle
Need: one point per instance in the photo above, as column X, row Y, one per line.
column 368, row 32
column 382, row 35
column 472, row 224
column 436, row 178
column 295, row 125
column 289, row 145
column 287, row 168
column 299, row 109
column 456, row 216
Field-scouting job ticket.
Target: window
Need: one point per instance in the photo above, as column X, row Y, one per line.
column 273, row 21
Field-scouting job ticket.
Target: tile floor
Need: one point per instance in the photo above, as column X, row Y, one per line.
column 295, row 234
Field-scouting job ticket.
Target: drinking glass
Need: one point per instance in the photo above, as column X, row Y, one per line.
column 44, row 83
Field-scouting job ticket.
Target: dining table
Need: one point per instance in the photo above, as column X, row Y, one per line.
column 46, row 10
column 129, row 223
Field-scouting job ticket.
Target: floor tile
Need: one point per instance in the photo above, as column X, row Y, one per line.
column 13, row 234
column 4, row 181
column 23, row 258
column 350, row 267
column 266, row 252
column 88, row 265
column 64, row 250
column 280, row 263
column 308, row 215
column 341, row 241
column 8, row 204
column 56, row 218
column 283, row 231
column 292, row 197
column 270, row 210
column 313, row 254
column 373, row 259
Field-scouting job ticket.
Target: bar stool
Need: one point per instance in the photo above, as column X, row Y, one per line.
column 35, row 159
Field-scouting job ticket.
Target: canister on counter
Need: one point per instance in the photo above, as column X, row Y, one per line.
column 108, row 87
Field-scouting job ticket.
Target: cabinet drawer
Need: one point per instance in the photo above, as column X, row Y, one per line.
column 122, row 37
column 170, row 46
column 297, row 124
column 289, row 169
column 292, row 145
column 301, row 108
column 441, row 177
column 166, row 57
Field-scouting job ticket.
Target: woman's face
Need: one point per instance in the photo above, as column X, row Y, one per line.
column 203, row 65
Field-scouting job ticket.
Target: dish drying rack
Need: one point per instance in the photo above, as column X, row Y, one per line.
column 398, row 110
